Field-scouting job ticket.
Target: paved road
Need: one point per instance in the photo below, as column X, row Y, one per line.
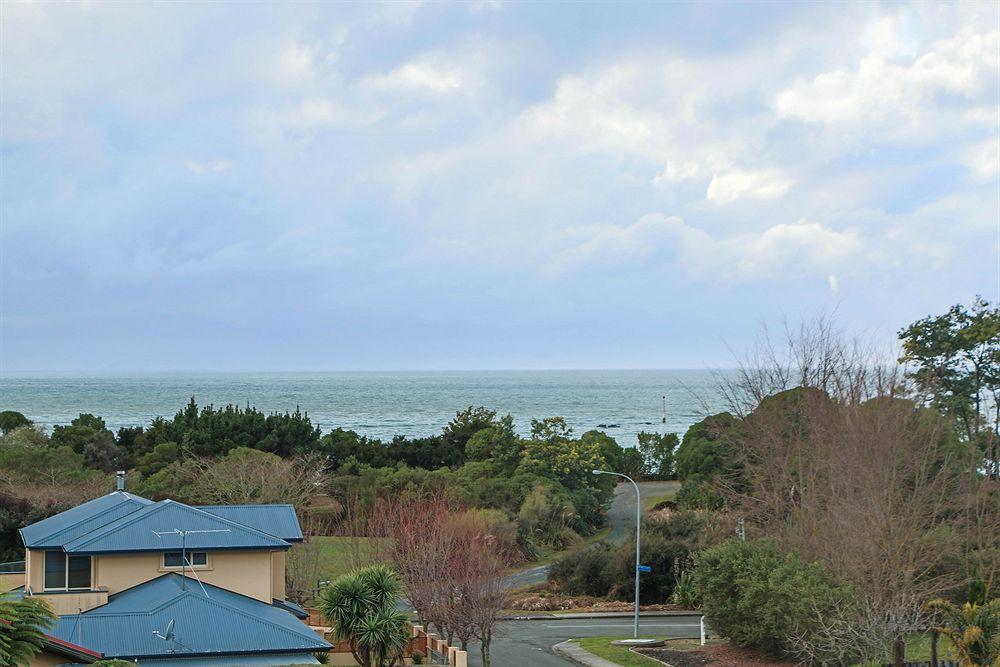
column 621, row 516
column 528, row 643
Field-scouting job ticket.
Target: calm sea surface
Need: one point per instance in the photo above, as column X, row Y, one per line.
column 383, row 404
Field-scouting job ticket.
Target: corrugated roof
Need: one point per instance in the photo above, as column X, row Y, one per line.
column 65, row 526
column 207, row 621
column 138, row 532
column 277, row 520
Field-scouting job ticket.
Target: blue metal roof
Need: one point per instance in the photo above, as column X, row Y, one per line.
column 277, row 520
column 207, row 621
column 139, row 530
column 65, row 526
column 294, row 609
column 269, row 660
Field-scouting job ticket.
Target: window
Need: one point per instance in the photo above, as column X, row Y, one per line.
column 195, row 559
column 55, row 569
column 78, row 572
column 66, row 573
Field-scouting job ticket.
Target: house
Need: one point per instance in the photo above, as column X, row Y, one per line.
column 165, row 583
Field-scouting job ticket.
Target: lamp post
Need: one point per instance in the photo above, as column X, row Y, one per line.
column 638, row 523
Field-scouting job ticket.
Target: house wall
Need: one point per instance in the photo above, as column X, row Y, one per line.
column 245, row 572
column 256, row 574
column 278, row 575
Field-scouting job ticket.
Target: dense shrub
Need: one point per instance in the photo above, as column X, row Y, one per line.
column 606, row 571
column 758, row 597
column 584, row 571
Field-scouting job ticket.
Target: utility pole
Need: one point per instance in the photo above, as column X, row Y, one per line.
column 638, row 525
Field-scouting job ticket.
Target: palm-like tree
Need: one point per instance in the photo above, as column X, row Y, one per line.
column 22, row 629
column 973, row 629
column 361, row 607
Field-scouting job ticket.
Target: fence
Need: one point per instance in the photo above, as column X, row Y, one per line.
column 436, row 651
column 13, row 567
column 927, row 663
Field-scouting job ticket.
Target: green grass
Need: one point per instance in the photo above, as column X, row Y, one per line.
column 918, row 647
column 603, row 648
column 335, row 555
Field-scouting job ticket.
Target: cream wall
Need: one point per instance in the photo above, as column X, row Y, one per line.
column 245, row 572
column 256, row 574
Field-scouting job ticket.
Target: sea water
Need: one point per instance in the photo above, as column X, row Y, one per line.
column 384, row 404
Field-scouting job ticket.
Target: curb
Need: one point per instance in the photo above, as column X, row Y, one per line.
column 605, row 614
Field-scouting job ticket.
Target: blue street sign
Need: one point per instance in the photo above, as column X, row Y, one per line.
column 645, row 568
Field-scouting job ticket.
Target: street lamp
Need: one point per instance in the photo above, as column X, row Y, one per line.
column 638, row 522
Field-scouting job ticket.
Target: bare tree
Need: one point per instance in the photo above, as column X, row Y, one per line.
column 251, row 476
column 847, row 470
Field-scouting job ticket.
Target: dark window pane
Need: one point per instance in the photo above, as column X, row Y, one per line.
column 79, row 571
column 172, row 559
column 55, row 569
column 198, row 558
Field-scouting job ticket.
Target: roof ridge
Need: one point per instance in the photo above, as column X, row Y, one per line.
column 247, row 505
column 128, row 499
column 230, row 521
column 133, row 517
column 103, row 530
column 192, row 593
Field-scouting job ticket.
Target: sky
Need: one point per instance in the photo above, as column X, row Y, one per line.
column 335, row 186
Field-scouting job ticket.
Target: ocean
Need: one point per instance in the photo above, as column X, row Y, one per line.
column 383, row 404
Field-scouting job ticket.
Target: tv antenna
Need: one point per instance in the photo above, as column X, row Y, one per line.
column 184, row 558
column 664, row 419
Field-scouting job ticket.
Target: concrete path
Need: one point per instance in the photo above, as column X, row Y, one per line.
column 569, row 649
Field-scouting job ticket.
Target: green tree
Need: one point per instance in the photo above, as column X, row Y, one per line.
column 499, row 444
column 466, row 424
column 704, row 453
column 955, row 359
column 11, row 419
column 88, row 435
column 755, row 596
column 973, row 629
column 657, row 450
column 361, row 607
column 22, row 629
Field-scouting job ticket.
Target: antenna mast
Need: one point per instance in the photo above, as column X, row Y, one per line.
column 184, row 558
column 664, row 421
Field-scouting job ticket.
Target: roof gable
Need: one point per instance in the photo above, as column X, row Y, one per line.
column 65, row 526
column 149, row 529
column 277, row 520
column 207, row 620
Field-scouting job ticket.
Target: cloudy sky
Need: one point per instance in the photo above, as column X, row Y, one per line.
column 294, row 186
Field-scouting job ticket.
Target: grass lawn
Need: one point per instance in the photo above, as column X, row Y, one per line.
column 603, row 648
column 918, row 647
column 335, row 555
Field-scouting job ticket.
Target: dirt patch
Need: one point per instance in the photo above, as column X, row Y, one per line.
column 722, row 655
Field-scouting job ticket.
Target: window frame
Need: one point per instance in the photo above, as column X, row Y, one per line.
column 66, row 559
column 192, row 557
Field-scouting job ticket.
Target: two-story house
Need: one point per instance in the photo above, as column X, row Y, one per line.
column 164, row 583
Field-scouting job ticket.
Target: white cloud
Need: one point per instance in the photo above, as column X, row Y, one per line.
column 213, row 166
column 784, row 250
column 732, row 185
column 983, row 160
column 881, row 90
column 422, row 74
